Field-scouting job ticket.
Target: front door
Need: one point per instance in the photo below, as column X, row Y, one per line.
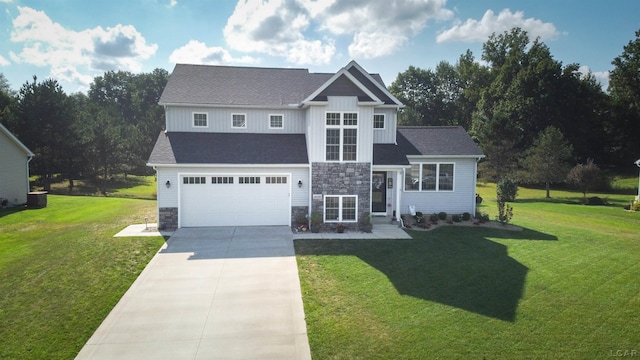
column 379, row 192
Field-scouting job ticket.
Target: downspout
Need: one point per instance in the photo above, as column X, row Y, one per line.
column 29, row 158
column 475, row 186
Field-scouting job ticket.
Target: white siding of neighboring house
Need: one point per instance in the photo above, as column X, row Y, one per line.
column 219, row 120
column 458, row 201
column 316, row 127
column 169, row 197
column 388, row 135
column 13, row 172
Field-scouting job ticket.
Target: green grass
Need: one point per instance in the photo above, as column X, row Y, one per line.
column 138, row 187
column 564, row 287
column 61, row 271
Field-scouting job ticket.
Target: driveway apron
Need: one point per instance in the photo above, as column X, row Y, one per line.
column 210, row 293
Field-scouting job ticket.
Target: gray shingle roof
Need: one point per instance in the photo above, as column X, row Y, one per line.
column 229, row 148
column 235, row 85
column 437, row 141
column 388, row 154
column 229, row 85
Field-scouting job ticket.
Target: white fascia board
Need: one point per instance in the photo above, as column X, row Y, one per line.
column 234, row 106
column 16, row 141
column 429, row 157
column 353, row 63
column 346, row 73
column 389, row 167
column 228, row 165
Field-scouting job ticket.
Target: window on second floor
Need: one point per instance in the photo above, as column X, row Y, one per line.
column 276, row 122
column 378, row 121
column 238, row 121
column 341, row 141
column 200, row 120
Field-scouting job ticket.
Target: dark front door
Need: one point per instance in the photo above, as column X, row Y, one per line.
column 379, row 192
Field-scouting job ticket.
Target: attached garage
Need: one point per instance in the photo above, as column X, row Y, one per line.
column 234, row 199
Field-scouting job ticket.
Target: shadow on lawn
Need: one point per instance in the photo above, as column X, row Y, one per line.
column 453, row 266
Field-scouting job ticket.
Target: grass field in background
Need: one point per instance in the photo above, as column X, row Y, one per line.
column 61, row 271
column 566, row 286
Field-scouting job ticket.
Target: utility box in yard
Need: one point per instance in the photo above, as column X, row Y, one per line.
column 36, row 199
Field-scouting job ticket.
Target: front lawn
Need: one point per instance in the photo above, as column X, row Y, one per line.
column 61, row 271
column 564, row 287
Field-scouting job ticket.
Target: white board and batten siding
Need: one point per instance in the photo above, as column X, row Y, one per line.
column 14, row 176
column 180, row 119
column 458, row 201
column 316, row 126
column 388, row 134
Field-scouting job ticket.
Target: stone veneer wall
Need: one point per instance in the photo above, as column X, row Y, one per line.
column 341, row 179
column 298, row 210
column 168, row 218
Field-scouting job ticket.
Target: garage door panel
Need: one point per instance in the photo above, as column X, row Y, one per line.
column 236, row 204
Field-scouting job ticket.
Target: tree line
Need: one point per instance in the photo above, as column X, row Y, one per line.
column 530, row 114
column 110, row 130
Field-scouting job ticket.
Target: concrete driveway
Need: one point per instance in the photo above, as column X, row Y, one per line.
column 210, row 293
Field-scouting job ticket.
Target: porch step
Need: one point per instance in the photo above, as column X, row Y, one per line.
column 383, row 227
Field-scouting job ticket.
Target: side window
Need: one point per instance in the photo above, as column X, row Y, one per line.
column 200, row 120
column 238, row 121
column 276, row 122
column 378, row 121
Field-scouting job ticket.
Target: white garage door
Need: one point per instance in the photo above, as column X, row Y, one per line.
column 234, row 200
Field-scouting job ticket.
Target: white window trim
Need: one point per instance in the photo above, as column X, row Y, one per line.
column 273, row 127
column 437, row 189
column 239, row 127
column 341, row 127
column 193, row 119
column 340, row 197
column 384, row 122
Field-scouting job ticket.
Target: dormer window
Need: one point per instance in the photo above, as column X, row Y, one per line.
column 200, row 120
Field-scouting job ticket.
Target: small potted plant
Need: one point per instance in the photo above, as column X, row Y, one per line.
column 340, row 228
column 316, row 220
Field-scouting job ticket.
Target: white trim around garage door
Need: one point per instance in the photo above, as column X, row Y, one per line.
column 234, row 199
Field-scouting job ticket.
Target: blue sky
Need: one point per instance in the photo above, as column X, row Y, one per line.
column 75, row 40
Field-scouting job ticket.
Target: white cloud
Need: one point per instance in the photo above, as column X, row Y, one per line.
column 4, row 61
column 76, row 56
column 601, row 76
column 276, row 28
column 292, row 28
column 479, row 30
column 196, row 52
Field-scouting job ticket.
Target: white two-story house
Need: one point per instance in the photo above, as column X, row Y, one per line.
column 261, row 146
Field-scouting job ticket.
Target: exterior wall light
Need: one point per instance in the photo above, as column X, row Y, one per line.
column 168, row 184
column 299, row 183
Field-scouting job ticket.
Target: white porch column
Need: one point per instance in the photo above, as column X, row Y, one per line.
column 399, row 184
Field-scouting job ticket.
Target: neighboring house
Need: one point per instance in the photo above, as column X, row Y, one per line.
column 14, row 168
column 261, row 146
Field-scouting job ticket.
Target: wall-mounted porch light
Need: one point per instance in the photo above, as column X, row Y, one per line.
column 299, row 183
column 168, row 184
column 390, row 183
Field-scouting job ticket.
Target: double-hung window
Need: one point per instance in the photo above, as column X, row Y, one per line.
column 429, row 177
column 200, row 120
column 341, row 139
column 276, row 122
column 340, row 208
column 238, row 121
column 378, row 121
